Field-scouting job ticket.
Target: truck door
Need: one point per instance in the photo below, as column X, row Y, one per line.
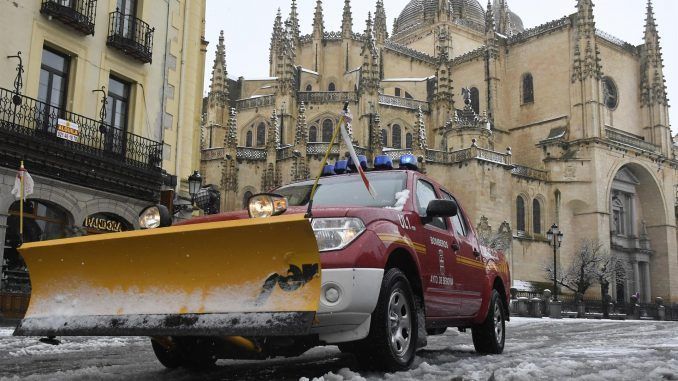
column 469, row 271
column 438, row 263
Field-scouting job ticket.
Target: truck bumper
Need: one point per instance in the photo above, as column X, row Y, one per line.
column 347, row 299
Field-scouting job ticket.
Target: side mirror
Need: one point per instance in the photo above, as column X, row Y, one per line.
column 442, row 208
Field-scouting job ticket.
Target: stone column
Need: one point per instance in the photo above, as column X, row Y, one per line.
column 636, row 278
column 3, row 230
column 647, row 290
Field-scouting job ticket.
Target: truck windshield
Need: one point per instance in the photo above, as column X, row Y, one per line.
column 348, row 190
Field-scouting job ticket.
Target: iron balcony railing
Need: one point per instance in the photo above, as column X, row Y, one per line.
column 131, row 36
column 78, row 14
column 37, row 120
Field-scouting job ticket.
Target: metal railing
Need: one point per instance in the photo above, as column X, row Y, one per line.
column 412, row 104
column 37, row 120
column 530, row 173
column 262, row 101
column 316, row 148
column 320, row 97
column 78, row 14
column 629, row 140
column 250, row 153
column 131, row 36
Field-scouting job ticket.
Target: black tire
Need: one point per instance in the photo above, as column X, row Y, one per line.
column 489, row 337
column 168, row 357
column 188, row 352
column 390, row 344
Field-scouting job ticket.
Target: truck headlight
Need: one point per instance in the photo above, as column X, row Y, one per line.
column 155, row 216
column 266, row 205
column 336, row 233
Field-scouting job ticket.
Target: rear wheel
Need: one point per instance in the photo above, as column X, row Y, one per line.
column 489, row 337
column 390, row 345
column 188, row 352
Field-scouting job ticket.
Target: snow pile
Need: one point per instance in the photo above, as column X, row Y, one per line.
column 401, row 198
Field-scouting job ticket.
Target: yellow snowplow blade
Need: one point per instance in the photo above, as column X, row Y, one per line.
column 255, row 277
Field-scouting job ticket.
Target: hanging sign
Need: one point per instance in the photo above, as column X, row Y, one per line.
column 68, row 130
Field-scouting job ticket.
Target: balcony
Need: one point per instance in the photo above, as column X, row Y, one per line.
column 411, row 104
column 131, row 36
column 629, row 140
column 324, row 97
column 87, row 152
column 77, row 14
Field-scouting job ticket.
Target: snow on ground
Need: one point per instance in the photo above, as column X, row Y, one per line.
column 536, row 349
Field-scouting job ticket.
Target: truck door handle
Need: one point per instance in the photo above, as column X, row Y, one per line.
column 455, row 246
column 476, row 252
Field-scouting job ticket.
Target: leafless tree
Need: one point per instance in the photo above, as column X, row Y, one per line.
column 591, row 264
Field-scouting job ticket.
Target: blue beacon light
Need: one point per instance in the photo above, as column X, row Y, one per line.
column 362, row 159
column 340, row 167
column 328, row 170
column 408, row 162
column 383, row 162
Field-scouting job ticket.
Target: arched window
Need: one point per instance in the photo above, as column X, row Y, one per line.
column 331, row 87
column 248, row 139
column 313, row 134
column 384, row 138
column 246, row 199
column 610, row 93
column 408, row 140
column 309, row 87
column 261, row 134
column 396, row 137
column 328, row 128
column 536, row 216
column 528, row 89
column 520, row 214
column 475, row 100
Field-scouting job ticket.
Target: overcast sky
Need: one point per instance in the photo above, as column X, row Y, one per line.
column 247, row 26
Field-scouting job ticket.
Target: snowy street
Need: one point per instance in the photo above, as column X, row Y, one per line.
column 535, row 349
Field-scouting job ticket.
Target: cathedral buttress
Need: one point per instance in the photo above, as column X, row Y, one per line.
column 229, row 168
column 217, row 99
column 587, row 73
column 653, row 100
column 492, row 64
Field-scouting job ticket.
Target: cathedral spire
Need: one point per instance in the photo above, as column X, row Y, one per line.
column 347, row 20
column 219, row 81
column 301, row 132
column 380, row 28
column 275, row 36
column 653, row 86
column 444, row 10
column 369, row 80
column 503, row 18
column 294, row 20
column 586, row 52
column 490, row 25
column 318, row 23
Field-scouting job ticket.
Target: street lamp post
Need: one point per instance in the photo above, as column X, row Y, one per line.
column 194, row 185
column 555, row 237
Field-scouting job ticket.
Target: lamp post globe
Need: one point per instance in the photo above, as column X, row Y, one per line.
column 194, row 184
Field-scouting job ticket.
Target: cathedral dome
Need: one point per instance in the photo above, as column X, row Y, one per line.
column 423, row 12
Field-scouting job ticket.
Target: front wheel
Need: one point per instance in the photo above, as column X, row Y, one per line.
column 391, row 343
column 189, row 352
column 489, row 336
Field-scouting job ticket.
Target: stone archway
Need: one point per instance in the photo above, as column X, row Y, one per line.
column 640, row 232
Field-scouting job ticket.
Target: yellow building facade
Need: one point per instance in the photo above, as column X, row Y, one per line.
column 561, row 123
column 105, row 111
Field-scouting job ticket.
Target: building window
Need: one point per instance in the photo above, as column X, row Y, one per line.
column 261, row 134
column 520, row 214
column 313, row 134
column 309, row 87
column 331, row 87
column 384, row 138
column 408, row 95
column 127, row 24
column 117, row 111
column 618, row 216
column 397, row 91
column 408, row 140
column 475, row 100
column 328, row 128
column 610, row 94
column 528, row 88
column 396, row 138
column 53, row 87
column 248, row 139
column 536, row 216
